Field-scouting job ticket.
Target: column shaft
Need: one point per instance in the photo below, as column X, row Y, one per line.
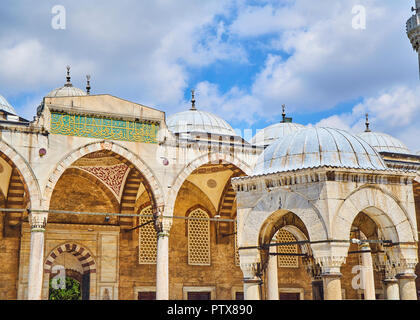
column 392, row 291
column 36, row 257
column 252, row 290
column 162, row 267
column 368, row 277
column 332, row 286
column 407, row 285
column 272, row 277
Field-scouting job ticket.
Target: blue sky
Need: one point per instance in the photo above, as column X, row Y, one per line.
column 244, row 58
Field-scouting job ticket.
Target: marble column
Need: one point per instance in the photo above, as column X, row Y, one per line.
column 162, row 259
column 331, row 276
column 36, row 255
column 368, row 276
column 332, row 286
column 272, row 277
column 405, row 269
column 407, row 286
column 252, row 281
column 392, row 290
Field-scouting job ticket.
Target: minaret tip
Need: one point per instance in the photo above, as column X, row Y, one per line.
column 68, row 78
column 193, row 100
column 283, row 107
column 88, row 84
column 367, row 123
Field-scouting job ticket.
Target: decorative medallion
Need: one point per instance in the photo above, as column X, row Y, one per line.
column 211, row 183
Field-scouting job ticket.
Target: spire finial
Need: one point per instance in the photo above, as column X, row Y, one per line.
column 283, row 107
column 68, row 83
column 367, row 123
column 193, row 100
column 88, row 84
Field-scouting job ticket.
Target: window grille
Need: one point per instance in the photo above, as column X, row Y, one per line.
column 147, row 238
column 198, row 239
column 287, row 261
column 237, row 262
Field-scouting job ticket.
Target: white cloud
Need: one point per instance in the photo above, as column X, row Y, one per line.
column 330, row 62
column 395, row 111
column 234, row 104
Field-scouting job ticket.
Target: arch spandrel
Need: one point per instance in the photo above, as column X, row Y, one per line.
column 383, row 208
column 113, row 147
column 272, row 207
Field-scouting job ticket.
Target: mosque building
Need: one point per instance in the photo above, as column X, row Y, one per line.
column 125, row 203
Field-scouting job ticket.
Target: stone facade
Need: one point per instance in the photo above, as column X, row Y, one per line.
column 63, row 204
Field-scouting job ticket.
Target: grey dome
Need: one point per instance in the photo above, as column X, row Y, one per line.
column 6, row 106
column 199, row 121
column 66, row 92
column 383, row 142
column 318, row 147
column 276, row 131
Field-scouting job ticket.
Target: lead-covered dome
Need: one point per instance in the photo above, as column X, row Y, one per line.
column 383, row 142
column 318, row 147
column 6, row 106
column 274, row 132
column 198, row 121
column 67, row 90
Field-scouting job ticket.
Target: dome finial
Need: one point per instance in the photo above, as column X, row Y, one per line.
column 193, row 100
column 283, row 107
column 68, row 83
column 367, row 123
column 88, row 84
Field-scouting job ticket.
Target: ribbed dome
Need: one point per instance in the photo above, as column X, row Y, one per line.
column 318, row 147
column 199, row 121
column 66, row 92
column 276, row 131
column 383, row 142
column 6, row 106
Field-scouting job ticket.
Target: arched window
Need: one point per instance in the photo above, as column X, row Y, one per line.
column 287, row 261
column 198, row 238
column 147, row 238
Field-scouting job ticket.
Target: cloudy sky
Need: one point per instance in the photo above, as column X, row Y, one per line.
column 244, row 58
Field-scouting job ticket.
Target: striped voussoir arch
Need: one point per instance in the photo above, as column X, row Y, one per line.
column 83, row 255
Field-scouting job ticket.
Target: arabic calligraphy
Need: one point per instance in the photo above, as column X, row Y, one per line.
column 103, row 128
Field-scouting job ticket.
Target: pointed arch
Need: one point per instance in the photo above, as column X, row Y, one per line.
column 195, row 164
column 125, row 155
column 382, row 207
column 16, row 160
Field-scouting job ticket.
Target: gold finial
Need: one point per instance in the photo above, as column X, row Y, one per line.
column 193, row 100
column 367, row 123
column 283, row 107
column 88, row 84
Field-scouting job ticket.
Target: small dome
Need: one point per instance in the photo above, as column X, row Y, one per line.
column 199, row 121
column 383, row 142
column 318, row 147
column 276, row 131
column 194, row 120
column 67, row 90
column 6, row 106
